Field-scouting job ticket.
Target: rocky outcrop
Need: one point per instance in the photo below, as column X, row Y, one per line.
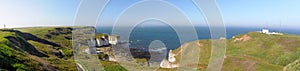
column 113, row 39
column 108, row 52
column 170, row 62
column 243, row 38
column 172, row 58
column 106, row 40
column 167, row 64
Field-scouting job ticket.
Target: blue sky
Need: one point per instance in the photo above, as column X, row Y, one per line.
column 242, row 13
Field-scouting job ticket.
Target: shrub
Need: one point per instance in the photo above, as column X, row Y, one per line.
column 19, row 67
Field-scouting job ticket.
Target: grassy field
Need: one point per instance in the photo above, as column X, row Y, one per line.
column 261, row 53
column 30, row 49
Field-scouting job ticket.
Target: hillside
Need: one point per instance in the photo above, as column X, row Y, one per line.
column 33, row 49
column 50, row 48
column 41, row 49
column 255, row 52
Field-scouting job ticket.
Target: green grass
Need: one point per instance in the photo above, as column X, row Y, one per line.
column 19, row 55
column 10, row 58
column 112, row 66
column 264, row 52
column 140, row 60
column 100, row 35
column 42, row 32
column 294, row 66
column 261, row 53
column 66, row 45
column 268, row 47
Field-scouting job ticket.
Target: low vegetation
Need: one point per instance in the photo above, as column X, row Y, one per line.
column 261, row 52
column 29, row 49
column 112, row 66
column 50, row 48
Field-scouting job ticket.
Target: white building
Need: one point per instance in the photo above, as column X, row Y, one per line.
column 266, row 31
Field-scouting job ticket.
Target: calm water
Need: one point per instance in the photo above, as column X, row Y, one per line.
column 141, row 37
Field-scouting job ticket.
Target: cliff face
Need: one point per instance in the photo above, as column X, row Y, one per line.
column 170, row 62
column 249, row 52
column 104, row 40
column 105, row 53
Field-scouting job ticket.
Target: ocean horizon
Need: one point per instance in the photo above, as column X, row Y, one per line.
column 141, row 36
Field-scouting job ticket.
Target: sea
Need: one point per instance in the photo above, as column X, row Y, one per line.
column 142, row 37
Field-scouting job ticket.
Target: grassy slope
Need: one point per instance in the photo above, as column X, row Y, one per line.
column 66, row 46
column 261, row 53
column 7, row 54
column 16, row 58
column 41, row 32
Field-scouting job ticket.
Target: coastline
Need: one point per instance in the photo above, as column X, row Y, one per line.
column 246, row 48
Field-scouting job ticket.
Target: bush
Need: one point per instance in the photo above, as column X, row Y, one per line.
column 67, row 52
column 19, row 67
